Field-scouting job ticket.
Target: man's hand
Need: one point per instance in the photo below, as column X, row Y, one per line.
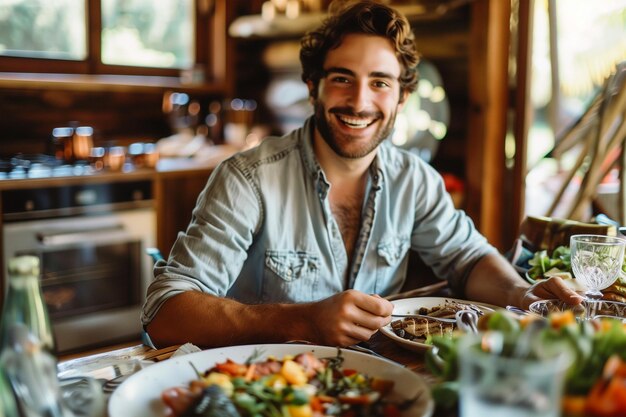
column 553, row 287
column 348, row 318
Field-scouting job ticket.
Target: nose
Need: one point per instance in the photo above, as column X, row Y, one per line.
column 360, row 96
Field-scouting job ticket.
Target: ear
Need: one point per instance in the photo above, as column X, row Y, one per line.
column 404, row 96
column 312, row 92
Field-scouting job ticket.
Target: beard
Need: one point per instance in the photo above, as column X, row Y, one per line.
column 340, row 142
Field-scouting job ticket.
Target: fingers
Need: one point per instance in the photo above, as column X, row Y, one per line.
column 371, row 311
column 350, row 317
column 553, row 287
column 559, row 289
column 373, row 304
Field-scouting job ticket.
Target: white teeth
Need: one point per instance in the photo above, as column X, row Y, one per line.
column 355, row 123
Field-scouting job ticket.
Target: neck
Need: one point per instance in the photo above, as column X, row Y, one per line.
column 337, row 168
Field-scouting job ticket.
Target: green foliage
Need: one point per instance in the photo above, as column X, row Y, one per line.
column 542, row 263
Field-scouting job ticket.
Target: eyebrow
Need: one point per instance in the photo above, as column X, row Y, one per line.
column 346, row 71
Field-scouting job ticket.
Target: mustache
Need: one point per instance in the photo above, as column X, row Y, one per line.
column 348, row 111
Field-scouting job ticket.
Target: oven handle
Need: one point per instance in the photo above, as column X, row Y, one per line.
column 113, row 233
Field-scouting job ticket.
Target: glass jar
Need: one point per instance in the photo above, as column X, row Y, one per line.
column 62, row 144
column 24, row 303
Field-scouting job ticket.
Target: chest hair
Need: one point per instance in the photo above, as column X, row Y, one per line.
column 347, row 212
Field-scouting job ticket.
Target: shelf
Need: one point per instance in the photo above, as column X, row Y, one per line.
column 85, row 82
column 256, row 27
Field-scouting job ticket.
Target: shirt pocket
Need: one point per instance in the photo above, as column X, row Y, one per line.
column 290, row 276
column 391, row 263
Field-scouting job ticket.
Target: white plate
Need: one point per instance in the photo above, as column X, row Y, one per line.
column 411, row 305
column 140, row 395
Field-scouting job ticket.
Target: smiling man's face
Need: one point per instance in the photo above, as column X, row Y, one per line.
column 358, row 97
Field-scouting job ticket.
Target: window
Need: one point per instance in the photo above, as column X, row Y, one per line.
column 133, row 37
column 589, row 41
column 43, row 29
column 146, row 33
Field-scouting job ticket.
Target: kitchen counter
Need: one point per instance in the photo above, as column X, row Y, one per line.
column 166, row 168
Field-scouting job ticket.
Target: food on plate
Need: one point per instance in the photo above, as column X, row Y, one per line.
column 294, row 386
column 422, row 328
column 596, row 380
column 558, row 263
column 617, row 290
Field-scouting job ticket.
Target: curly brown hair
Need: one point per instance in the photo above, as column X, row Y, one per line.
column 362, row 17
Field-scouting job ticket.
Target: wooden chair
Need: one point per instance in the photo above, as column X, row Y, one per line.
column 600, row 132
column 545, row 233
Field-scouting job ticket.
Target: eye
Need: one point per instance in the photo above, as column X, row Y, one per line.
column 339, row 79
column 380, row 84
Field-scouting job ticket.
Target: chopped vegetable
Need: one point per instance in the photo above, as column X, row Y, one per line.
column 300, row 386
column 595, row 382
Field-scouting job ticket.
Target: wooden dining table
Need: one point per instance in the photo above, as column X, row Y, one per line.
column 109, row 365
column 112, row 364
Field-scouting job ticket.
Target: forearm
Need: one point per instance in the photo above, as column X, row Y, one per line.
column 493, row 280
column 210, row 321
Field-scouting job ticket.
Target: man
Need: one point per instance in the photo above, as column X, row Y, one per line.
column 299, row 238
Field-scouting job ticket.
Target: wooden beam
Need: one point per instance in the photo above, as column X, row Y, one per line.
column 488, row 95
column 523, row 114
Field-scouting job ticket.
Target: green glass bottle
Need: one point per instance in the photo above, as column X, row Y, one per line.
column 24, row 303
column 8, row 406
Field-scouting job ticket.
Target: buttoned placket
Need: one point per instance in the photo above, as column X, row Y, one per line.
column 368, row 215
column 340, row 257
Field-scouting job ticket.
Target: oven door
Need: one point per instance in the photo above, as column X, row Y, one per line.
column 94, row 272
column 90, row 270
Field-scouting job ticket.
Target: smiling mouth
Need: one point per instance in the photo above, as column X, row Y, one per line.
column 356, row 122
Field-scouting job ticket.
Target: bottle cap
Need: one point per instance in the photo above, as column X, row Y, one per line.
column 24, row 265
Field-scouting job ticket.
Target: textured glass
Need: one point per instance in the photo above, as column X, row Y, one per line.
column 24, row 305
column 54, row 29
column 146, row 33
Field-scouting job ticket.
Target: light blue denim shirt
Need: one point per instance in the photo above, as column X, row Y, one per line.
column 262, row 230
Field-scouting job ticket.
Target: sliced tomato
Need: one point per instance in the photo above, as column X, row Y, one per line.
column 607, row 399
column 231, row 368
column 178, row 400
column 316, row 404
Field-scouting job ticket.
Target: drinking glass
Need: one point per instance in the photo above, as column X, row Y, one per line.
column 587, row 310
column 496, row 379
column 596, row 261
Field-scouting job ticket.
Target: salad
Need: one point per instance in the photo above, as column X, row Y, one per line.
column 558, row 262
column 299, row 386
column 595, row 382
